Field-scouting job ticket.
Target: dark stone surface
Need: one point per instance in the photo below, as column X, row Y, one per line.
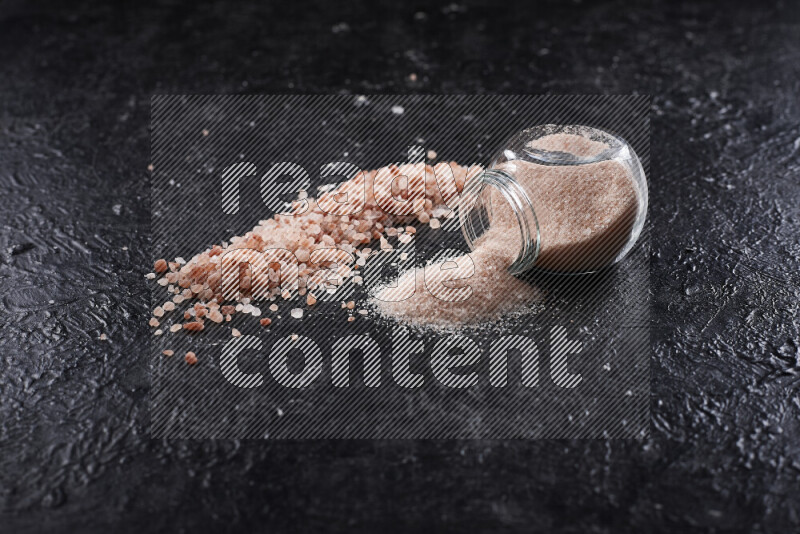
column 74, row 102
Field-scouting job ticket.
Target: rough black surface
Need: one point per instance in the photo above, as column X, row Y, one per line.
column 74, row 100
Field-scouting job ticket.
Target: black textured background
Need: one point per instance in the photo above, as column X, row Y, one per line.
column 75, row 83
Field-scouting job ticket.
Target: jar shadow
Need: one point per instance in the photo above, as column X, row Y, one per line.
column 587, row 294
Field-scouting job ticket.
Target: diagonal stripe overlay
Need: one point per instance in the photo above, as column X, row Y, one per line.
column 575, row 365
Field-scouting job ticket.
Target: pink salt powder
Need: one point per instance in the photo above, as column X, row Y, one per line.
column 420, row 297
column 584, row 212
column 577, row 145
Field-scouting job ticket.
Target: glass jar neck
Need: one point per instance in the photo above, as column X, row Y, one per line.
column 476, row 195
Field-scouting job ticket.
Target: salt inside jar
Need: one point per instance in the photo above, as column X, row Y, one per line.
column 571, row 199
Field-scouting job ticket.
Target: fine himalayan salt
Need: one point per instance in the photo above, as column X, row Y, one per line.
column 430, row 296
column 585, row 214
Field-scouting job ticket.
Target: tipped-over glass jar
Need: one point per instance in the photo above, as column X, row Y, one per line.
column 576, row 196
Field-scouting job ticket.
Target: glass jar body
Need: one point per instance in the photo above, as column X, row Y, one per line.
column 577, row 196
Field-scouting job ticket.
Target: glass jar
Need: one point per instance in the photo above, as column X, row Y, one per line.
column 577, row 196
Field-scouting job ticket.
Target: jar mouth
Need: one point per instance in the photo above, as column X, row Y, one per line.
column 475, row 214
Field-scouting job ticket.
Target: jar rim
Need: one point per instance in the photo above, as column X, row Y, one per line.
column 516, row 196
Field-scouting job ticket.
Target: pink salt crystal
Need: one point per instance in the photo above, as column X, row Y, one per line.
column 310, row 228
column 194, row 326
column 159, row 311
column 235, row 332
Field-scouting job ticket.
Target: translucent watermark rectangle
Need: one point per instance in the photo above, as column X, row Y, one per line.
column 240, row 350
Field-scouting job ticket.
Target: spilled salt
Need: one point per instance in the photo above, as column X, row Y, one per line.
column 584, row 212
column 463, row 290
